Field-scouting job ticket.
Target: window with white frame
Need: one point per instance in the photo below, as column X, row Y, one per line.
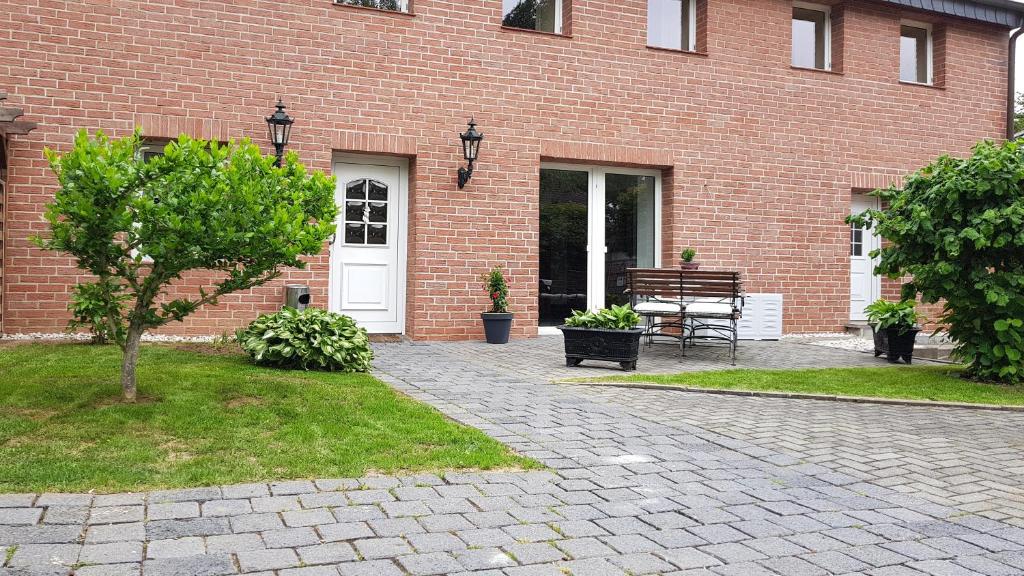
column 916, row 53
column 672, row 24
column 390, row 5
column 540, row 15
column 812, row 36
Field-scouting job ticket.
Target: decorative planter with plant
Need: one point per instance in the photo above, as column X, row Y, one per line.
column 609, row 335
column 686, row 259
column 497, row 322
column 895, row 326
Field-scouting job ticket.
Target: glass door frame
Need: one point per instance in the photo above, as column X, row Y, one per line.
column 596, row 205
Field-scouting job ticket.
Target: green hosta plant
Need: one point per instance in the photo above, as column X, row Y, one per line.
column 901, row 315
column 956, row 228
column 614, row 318
column 312, row 339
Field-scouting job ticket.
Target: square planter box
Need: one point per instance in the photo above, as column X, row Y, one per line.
column 894, row 345
column 622, row 346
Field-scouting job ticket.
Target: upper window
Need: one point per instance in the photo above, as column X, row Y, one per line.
column 672, row 24
column 916, row 53
column 541, row 15
column 392, row 5
column 812, row 36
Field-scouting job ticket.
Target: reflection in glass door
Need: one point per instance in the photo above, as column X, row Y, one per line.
column 629, row 230
column 564, row 195
column 615, row 209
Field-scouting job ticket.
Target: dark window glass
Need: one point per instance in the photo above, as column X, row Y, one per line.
column 669, row 23
column 914, row 54
column 810, row 35
column 392, row 5
column 540, row 15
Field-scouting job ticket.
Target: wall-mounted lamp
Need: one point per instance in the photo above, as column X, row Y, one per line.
column 280, row 125
column 470, row 149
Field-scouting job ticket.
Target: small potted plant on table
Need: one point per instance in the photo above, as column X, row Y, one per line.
column 895, row 327
column 610, row 335
column 686, row 259
column 497, row 322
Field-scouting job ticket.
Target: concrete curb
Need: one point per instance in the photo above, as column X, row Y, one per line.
column 800, row 396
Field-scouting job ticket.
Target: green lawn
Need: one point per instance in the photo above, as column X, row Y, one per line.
column 207, row 419
column 936, row 383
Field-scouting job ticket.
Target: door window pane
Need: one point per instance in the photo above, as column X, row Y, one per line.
column 542, row 15
column 810, row 37
column 856, row 240
column 564, row 227
column 629, row 231
column 670, row 24
column 366, row 221
column 915, row 54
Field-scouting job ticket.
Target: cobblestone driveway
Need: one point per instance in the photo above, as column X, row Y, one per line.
column 642, row 482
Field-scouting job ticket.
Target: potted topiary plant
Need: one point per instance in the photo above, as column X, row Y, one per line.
column 895, row 327
column 686, row 259
column 497, row 322
column 610, row 335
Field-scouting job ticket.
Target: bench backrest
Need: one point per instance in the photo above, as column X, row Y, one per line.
column 678, row 283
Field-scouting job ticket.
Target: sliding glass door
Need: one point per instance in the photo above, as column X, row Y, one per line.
column 616, row 210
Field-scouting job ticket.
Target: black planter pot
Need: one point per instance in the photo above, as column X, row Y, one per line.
column 894, row 345
column 497, row 326
column 622, row 346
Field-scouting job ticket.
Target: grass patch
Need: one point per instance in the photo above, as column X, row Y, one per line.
column 935, row 383
column 206, row 419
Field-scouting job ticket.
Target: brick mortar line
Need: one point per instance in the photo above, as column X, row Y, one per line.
column 798, row 396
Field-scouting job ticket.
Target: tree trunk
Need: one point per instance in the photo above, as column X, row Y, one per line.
column 131, row 357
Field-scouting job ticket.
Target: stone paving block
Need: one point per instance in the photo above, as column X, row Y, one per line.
column 733, row 552
column 111, row 553
column 323, row 500
column 483, row 559
column 290, row 537
column 446, row 523
column 292, row 487
column 493, row 519
column 429, row 564
column 775, row 547
column 53, row 499
column 17, row 500
column 357, row 513
column 276, row 559
column 449, row 506
column 536, row 570
column 275, row 504
column 619, row 526
column 176, row 548
column 578, row 528
column 111, row 533
column 117, row 514
column 987, row 566
column 31, row 555
column 742, row 569
column 941, row 568
column 255, row 522
column 66, row 515
column 584, row 548
column 205, row 565
column 133, row 569
column 345, row 531
column 435, row 542
column 531, row 533
column 231, row 543
column 836, row 562
column 312, row 517
column 535, row 553
column 331, row 553
column 717, row 533
column 792, row 566
column 641, row 564
column 370, row 568
column 164, row 529
column 172, row 511
column 125, row 499
column 387, row 527
column 369, row 496
column 375, row 548
column 688, row 558
column 309, row 571
column 631, row 543
column 20, row 516
column 914, row 550
column 243, row 491
column 226, row 507
column 478, row 538
column 181, row 495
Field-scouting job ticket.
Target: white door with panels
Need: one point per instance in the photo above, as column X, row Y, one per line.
column 368, row 256
column 865, row 286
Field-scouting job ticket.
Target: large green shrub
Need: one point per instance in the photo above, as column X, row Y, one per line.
column 312, row 339
column 956, row 228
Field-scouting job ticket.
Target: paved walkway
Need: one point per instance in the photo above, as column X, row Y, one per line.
column 642, row 482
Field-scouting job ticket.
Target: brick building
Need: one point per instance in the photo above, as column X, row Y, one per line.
column 746, row 129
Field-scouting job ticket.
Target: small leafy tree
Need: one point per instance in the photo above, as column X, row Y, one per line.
column 497, row 289
column 956, row 228
column 139, row 225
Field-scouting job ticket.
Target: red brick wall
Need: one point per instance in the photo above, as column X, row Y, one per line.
column 760, row 159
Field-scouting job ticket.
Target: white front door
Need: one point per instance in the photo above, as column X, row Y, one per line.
column 368, row 253
column 865, row 286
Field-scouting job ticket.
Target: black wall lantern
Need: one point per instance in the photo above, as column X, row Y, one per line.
column 280, row 125
column 470, row 149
